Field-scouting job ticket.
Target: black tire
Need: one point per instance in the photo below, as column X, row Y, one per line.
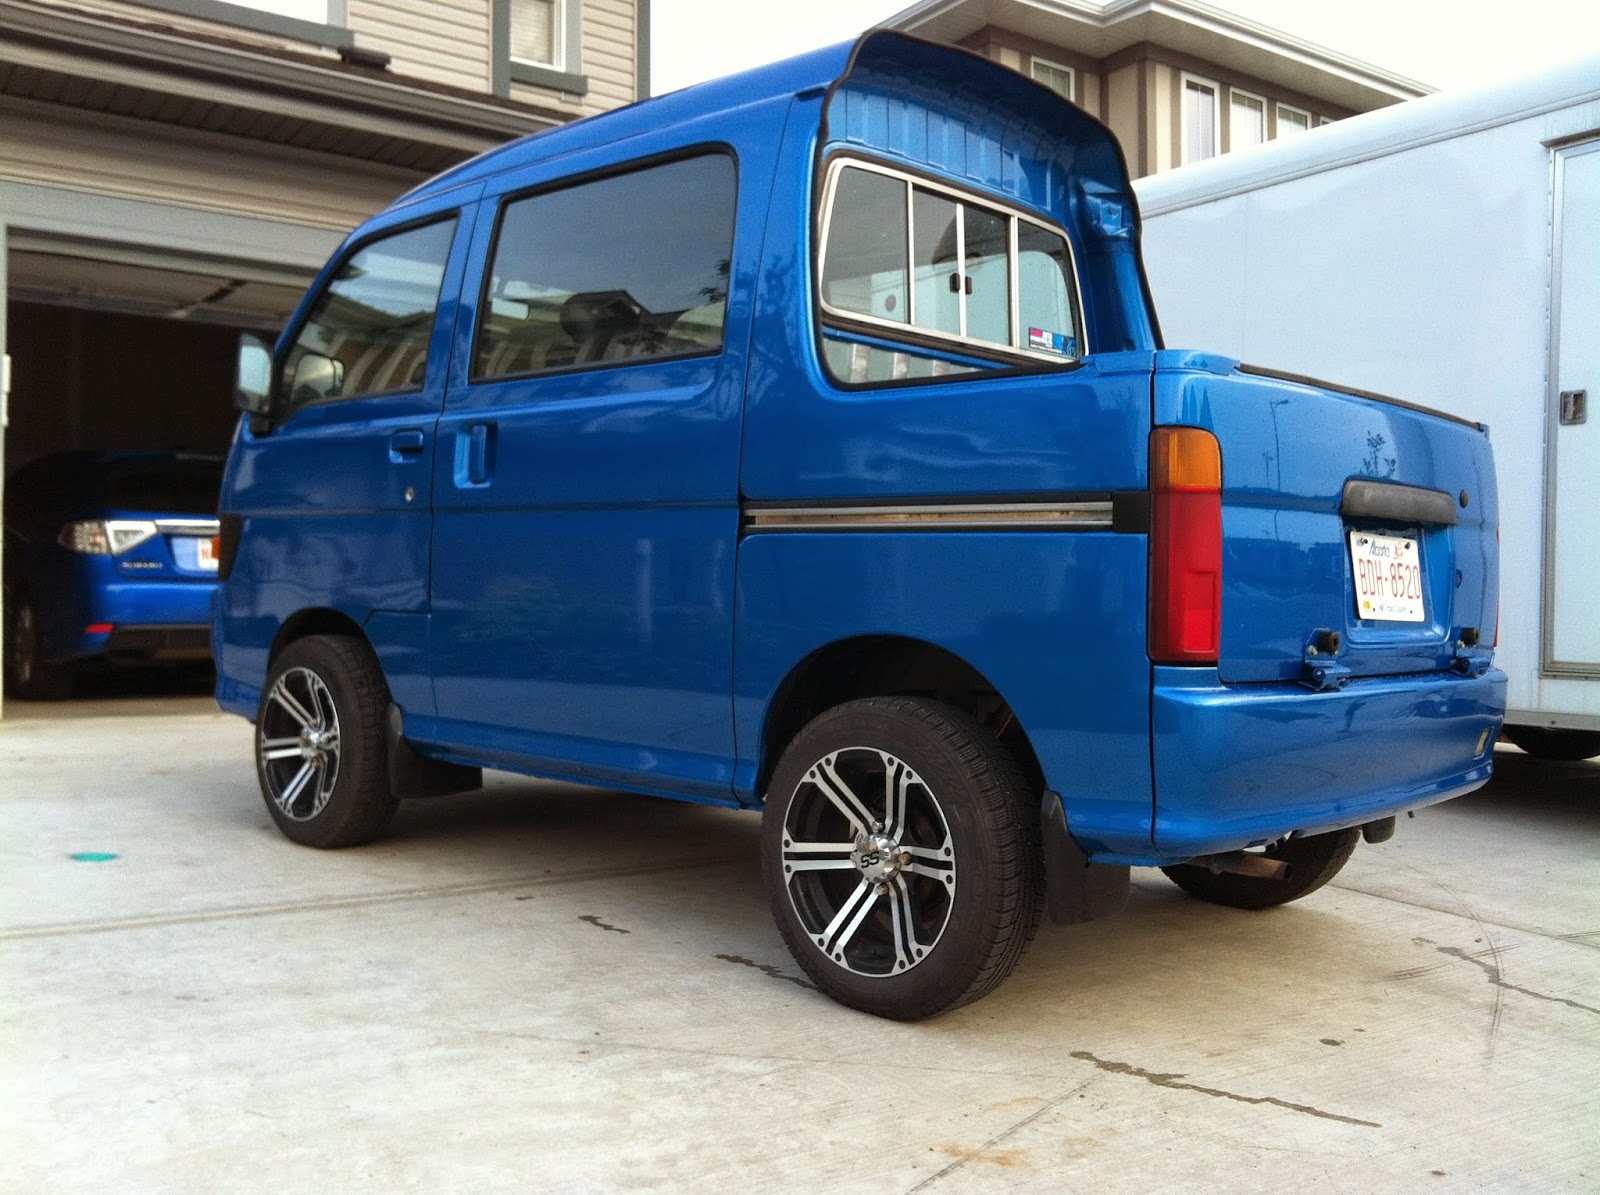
column 1313, row 861
column 971, row 899
column 28, row 674
column 1547, row 742
column 321, row 754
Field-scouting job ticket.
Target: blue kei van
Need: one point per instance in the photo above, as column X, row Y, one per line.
column 804, row 442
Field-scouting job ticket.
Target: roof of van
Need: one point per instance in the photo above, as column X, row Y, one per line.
column 805, row 72
column 1437, row 117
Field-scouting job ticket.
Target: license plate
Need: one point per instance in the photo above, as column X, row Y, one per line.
column 205, row 554
column 1388, row 575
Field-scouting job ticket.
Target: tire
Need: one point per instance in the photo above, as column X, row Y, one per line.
column 876, row 927
column 1546, row 742
column 1313, row 861
column 28, row 674
column 321, row 754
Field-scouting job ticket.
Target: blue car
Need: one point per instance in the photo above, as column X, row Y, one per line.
column 109, row 557
column 805, row 442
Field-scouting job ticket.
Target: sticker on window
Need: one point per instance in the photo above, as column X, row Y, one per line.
column 1052, row 342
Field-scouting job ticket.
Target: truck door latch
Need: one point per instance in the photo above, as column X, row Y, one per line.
column 1321, row 671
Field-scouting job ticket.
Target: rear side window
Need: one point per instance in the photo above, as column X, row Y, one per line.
column 620, row 269
column 368, row 331
column 904, row 258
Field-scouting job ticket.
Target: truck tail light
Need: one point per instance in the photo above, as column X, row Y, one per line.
column 1185, row 546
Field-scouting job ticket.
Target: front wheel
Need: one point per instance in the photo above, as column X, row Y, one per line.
column 900, row 846
column 320, row 747
column 1312, row 862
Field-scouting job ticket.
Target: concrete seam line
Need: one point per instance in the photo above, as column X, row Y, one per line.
column 1514, row 926
column 346, row 902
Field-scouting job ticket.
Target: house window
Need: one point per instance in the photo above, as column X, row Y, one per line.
column 1059, row 79
column 320, row 22
column 537, row 42
column 536, row 32
column 1200, row 119
column 1247, row 120
column 1292, row 121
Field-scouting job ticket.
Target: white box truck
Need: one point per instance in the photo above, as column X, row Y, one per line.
column 1444, row 251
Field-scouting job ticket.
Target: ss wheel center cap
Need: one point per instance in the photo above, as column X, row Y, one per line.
column 878, row 857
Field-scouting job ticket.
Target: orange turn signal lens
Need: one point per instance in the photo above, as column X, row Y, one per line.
column 1184, row 458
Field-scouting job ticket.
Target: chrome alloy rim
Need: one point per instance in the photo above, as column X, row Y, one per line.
column 297, row 742
column 868, row 862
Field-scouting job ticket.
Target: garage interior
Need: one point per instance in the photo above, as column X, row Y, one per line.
column 112, row 355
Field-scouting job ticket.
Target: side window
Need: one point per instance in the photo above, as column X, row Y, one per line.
column 368, row 331
column 624, row 268
column 904, row 259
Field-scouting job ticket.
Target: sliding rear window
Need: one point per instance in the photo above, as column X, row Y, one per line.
column 950, row 275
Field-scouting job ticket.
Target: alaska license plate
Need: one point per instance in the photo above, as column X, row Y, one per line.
column 1388, row 576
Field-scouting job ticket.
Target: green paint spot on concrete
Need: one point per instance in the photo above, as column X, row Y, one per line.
column 94, row 856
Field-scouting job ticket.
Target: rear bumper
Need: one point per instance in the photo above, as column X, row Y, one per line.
column 1240, row 765
column 165, row 620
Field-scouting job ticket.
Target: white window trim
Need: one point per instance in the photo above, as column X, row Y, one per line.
column 1071, row 72
column 1018, row 348
column 1184, row 79
column 1266, row 108
column 1311, row 121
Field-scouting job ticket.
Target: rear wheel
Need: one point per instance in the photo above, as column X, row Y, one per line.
column 320, row 747
column 1546, row 742
column 900, row 845
column 28, row 674
column 1312, row 862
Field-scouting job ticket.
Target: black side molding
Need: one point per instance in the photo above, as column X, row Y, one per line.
column 1399, row 503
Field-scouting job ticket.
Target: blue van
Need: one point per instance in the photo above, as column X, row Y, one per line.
column 804, row 442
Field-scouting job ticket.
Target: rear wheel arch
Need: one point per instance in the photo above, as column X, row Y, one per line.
column 318, row 620
column 888, row 666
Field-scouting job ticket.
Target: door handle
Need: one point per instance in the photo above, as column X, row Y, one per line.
column 406, row 445
column 474, row 455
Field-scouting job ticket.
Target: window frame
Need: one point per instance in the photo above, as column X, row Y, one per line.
column 1278, row 109
column 291, row 335
column 933, row 339
column 566, row 77
column 333, row 34
column 1071, row 72
column 505, row 199
column 1184, row 79
column 1266, row 112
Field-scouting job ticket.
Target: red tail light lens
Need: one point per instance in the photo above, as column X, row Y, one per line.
column 1185, row 546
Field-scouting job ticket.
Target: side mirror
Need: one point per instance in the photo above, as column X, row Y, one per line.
column 252, row 386
column 316, row 377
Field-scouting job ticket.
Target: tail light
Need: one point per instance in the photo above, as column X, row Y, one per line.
column 1185, row 546
column 106, row 537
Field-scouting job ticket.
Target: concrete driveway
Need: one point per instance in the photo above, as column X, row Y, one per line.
column 541, row 987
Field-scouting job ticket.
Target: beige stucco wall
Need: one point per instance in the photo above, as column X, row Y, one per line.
column 111, row 155
column 1122, row 98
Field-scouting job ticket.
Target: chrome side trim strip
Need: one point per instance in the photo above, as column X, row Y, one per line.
column 987, row 516
column 200, row 527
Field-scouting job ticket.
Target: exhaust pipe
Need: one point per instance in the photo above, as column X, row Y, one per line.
column 1242, row 864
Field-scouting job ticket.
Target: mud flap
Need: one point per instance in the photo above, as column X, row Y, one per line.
column 1077, row 890
column 413, row 775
